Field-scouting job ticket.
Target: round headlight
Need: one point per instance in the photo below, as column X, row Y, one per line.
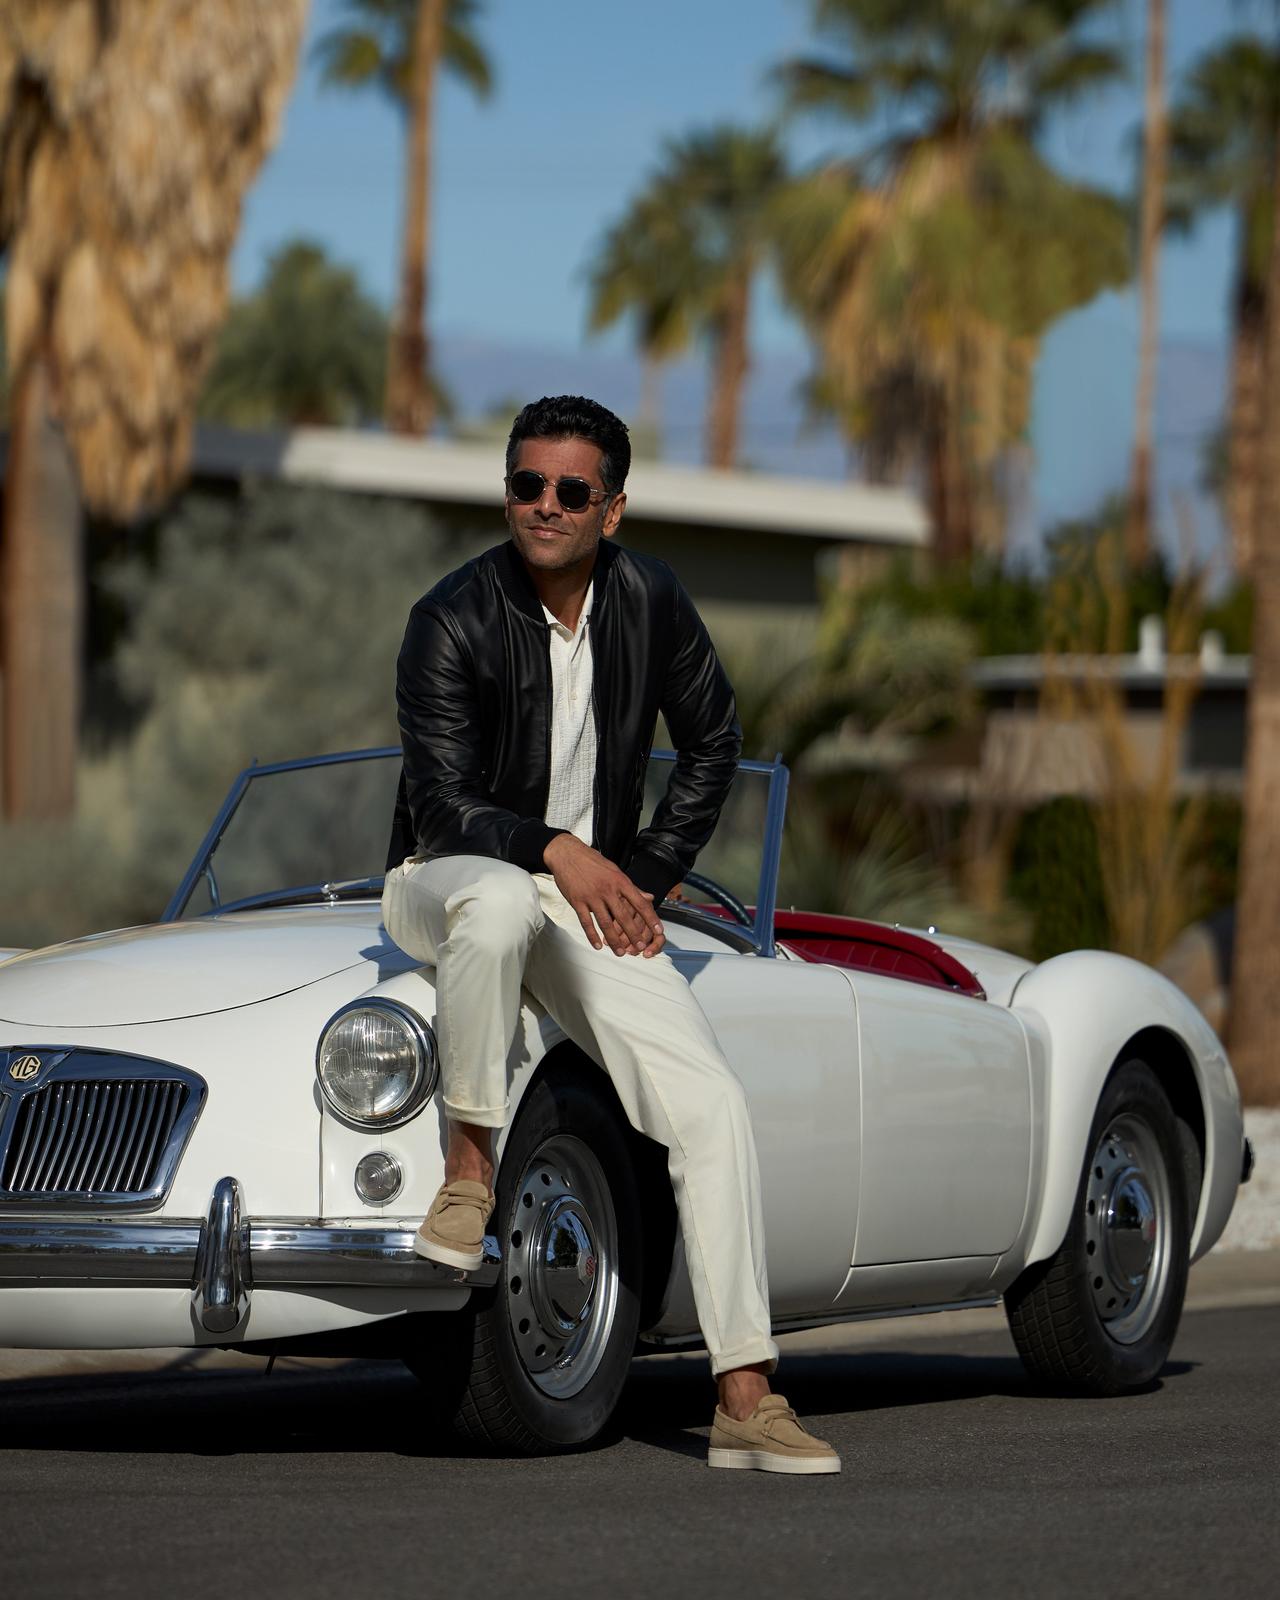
column 376, row 1063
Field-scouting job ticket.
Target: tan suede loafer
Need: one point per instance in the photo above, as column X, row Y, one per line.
column 452, row 1232
column 771, row 1440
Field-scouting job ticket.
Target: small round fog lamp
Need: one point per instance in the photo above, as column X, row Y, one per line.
column 378, row 1178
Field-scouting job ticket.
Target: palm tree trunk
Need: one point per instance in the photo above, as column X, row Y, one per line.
column 41, row 609
column 1255, row 981
column 646, row 431
column 1244, row 435
column 730, row 371
column 650, row 417
column 953, row 529
column 985, row 392
column 1155, row 148
column 410, row 404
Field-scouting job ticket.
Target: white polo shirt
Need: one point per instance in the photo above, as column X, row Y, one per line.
column 571, row 797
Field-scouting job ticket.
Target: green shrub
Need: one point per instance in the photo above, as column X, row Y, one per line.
column 1055, row 874
column 1001, row 607
column 266, row 628
column 1218, row 852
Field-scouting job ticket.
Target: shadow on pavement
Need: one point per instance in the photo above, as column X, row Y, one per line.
column 661, row 1403
column 372, row 1407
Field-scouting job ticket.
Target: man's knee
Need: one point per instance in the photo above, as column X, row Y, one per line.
column 500, row 911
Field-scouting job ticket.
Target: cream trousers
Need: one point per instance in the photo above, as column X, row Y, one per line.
column 489, row 928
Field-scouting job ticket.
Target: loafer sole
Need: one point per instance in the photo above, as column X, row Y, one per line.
column 429, row 1250
column 770, row 1461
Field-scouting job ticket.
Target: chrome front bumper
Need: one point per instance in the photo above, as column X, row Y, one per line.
column 222, row 1259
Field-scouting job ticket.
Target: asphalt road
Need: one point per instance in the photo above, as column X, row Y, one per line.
column 957, row 1480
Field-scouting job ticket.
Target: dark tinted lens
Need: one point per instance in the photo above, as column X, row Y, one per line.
column 527, row 486
column 574, row 494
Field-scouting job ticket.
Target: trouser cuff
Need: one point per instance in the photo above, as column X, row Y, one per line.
column 752, row 1354
column 479, row 1116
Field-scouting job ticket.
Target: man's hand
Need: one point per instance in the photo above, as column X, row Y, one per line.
column 611, row 909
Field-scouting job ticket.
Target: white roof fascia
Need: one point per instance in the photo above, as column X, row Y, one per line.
column 377, row 463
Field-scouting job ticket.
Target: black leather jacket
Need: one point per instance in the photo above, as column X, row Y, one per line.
column 473, row 686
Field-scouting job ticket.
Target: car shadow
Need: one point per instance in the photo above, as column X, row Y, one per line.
column 365, row 1407
column 664, row 1401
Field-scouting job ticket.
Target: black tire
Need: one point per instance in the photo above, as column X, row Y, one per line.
column 509, row 1376
column 1093, row 1318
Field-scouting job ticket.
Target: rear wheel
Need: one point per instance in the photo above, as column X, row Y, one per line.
column 541, row 1365
column 1101, row 1314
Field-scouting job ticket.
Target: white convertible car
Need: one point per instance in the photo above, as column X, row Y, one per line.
column 223, row 1129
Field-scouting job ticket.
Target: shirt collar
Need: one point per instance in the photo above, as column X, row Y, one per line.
column 586, row 612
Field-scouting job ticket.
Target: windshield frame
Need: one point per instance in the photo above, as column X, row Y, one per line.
column 759, row 936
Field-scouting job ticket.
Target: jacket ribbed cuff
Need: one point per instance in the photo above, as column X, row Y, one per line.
column 527, row 841
column 653, row 874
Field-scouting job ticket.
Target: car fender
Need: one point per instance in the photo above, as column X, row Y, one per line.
column 419, row 1145
column 1087, row 1007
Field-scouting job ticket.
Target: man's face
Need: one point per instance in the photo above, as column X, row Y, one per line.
column 548, row 537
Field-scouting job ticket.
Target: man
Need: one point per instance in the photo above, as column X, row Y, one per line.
column 528, row 686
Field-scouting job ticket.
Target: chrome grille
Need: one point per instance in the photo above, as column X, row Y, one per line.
column 97, row 1132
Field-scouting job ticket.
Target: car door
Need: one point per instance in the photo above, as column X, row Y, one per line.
column 790, row 1032
column 947, row 1118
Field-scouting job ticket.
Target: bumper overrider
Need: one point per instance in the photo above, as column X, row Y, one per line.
column 222, row 1258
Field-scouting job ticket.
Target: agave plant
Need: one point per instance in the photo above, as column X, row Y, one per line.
column 867, row 863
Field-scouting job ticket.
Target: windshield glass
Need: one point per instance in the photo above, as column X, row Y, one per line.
column 289, row 832
column 301, row 827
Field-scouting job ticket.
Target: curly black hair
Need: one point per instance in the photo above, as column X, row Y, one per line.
column 573, row 416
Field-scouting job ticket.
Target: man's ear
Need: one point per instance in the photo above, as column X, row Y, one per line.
column 613, row 516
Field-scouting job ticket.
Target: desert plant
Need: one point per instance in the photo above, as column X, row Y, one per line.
column 1145, row 832
column 398, row 47
column 128, row 135
column 307, row 347
column 867, row 862
column 266, row 629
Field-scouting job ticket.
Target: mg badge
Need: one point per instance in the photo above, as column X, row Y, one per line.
column 25, row 1069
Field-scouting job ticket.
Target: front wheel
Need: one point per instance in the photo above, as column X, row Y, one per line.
column 541, row 1366
column 1101, row 1314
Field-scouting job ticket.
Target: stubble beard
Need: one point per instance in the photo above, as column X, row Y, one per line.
column 563, row 554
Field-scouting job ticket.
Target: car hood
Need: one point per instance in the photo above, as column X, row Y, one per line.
column 167, row 971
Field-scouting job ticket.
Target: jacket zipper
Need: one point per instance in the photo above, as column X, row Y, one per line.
column 546, row 766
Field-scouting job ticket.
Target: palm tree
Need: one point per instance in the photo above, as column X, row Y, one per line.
column 118, row 213
column 928, row 267
column 641, row 270
column 1255, row 981
column 397, row 46
column 684, row 256
column 308, row 348
column 1155, row 148
column 1222, row 153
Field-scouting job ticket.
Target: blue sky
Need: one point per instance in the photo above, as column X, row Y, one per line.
column 585, row 95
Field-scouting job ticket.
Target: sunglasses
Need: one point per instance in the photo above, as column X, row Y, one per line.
column 574, row 494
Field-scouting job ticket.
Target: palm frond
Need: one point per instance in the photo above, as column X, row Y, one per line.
column 348, row 58
column 822, row 86
column 465, row 56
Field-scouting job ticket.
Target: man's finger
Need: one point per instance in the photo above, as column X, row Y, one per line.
column 642, row 907
column 589, row 927
column 627, row 916
column 614, row 936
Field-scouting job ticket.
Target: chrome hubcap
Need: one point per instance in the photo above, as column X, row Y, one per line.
column 561, row 1266
column 1126, row 1228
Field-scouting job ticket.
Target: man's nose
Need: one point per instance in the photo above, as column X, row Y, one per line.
column 549, row 501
